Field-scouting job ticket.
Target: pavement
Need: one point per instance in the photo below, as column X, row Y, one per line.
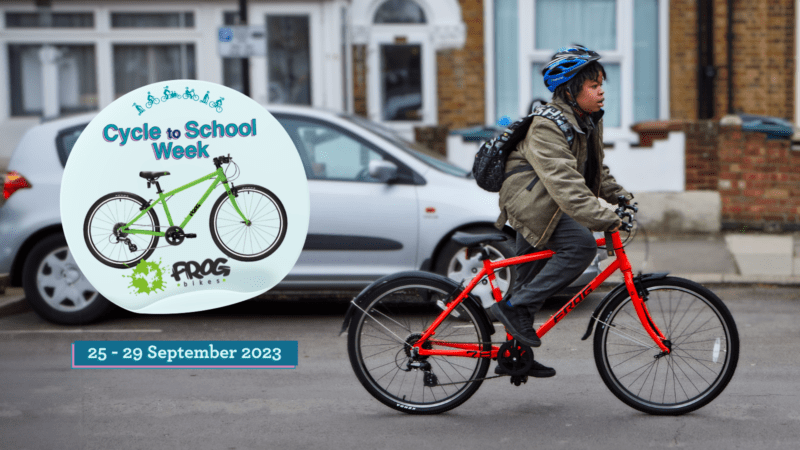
column 711, row 259
column 730, row 258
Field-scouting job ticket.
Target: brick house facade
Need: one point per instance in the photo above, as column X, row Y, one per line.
column 763, row 58
column 758, row 179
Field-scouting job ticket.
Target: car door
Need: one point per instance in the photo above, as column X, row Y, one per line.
column 360, row 228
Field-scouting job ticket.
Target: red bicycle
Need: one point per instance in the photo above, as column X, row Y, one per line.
column 421, row 344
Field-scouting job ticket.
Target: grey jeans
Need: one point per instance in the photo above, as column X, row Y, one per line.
column 575, row 249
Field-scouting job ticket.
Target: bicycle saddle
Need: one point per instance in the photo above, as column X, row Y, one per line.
column 152, row 175
column 471, row 240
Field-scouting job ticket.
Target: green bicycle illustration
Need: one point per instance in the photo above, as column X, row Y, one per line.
column 247, row 222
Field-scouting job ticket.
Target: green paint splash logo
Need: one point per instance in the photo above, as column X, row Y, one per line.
column 146, row 278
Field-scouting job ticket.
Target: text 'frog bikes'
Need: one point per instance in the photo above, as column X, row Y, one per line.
column 421, row 343
column 247, row 222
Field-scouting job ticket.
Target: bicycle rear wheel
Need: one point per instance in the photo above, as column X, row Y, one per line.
column 704, row 348
column 105, row 241
column 267, row 227
column 390, row 320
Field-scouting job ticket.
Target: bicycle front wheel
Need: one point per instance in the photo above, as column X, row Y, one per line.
column 101, row 230
column 254, row 241
column 390, row 320
column 704, row 348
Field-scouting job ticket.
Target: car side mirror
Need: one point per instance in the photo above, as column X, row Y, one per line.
column 383, row 171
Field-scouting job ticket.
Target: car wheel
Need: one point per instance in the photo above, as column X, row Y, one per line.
column 56, row 288
column 455, row 262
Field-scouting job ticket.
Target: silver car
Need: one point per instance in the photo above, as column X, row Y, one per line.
column 379, row 205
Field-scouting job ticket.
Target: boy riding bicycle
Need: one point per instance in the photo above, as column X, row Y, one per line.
column 550, row 195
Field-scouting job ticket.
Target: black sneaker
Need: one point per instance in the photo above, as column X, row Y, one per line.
column 536, row 371
column 516, row 322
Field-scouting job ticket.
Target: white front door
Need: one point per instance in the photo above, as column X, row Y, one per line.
column 402, row 78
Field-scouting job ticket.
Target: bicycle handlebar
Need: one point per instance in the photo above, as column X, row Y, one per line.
column 622, row 207
column 220, row 160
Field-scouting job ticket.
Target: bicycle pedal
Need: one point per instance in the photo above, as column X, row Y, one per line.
column 518, row 380
column 190, row 236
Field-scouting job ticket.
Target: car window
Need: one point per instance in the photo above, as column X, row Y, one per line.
column 66, row 139
column 330, row 153
column 412, row 148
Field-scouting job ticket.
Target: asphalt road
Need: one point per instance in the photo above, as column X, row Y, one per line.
column 44, row 404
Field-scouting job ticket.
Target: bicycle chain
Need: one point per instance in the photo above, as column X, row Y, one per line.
column 470, row 381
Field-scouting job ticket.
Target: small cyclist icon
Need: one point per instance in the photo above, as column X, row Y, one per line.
column 190, row 94
column 138, row 108
column 205, row 98
column 151, row 100
column 217, row 104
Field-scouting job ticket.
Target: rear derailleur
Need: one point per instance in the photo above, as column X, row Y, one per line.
column 415, row 361
column 121, row 236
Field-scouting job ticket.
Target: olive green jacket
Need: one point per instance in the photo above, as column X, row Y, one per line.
column 533, row 201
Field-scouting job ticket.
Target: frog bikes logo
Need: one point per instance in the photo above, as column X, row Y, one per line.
column 147, row 278
column 196, row 273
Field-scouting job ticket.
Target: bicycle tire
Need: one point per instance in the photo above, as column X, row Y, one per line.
column 269, row 223
column 388, row 313
column 95, row 232
column 698, row 326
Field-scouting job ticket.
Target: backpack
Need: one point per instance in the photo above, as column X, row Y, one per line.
column 489, row 167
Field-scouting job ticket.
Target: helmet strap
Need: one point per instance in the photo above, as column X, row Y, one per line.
column 573, row 103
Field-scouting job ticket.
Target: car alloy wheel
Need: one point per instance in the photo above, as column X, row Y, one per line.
column 56, row 288
column 465, row 265
column 61, row 283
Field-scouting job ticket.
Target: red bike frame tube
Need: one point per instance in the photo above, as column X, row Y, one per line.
column 475, row 350
column 579, row 297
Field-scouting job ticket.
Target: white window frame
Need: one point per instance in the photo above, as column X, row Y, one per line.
column 412, row 35
column 623, row 55
column 444, row 29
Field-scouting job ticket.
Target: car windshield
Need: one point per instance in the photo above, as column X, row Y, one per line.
column 418, row 151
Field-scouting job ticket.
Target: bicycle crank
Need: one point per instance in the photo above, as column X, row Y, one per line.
column 515, row 359
column 174, row 235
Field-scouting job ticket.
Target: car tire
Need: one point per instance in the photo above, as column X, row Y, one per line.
column 454, row 263
column 56, row 288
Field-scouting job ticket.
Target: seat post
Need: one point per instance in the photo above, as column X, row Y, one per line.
column 158, row 186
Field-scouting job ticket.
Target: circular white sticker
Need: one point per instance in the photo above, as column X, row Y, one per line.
column 183, row 196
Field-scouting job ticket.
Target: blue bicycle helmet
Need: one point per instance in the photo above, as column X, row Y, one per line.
column 566, row 63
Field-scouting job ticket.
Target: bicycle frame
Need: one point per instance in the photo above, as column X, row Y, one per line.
column 470, row 350
column 219, row 177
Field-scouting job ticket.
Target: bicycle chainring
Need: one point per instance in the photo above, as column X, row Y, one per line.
column 174, row 235
column 516, row 359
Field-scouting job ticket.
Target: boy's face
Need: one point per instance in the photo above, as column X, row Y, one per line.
column 591, row 97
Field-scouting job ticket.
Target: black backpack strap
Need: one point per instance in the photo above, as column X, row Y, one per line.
column 522, row 168
column 554, row 114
